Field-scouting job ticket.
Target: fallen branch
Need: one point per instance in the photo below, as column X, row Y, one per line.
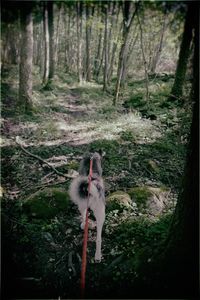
column 43, row 161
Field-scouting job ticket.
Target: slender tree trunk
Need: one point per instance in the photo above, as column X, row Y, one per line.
column 128, row 58
column 177, row 89
column 126, row 29
column 159, row 47
column 98, row 55
column 46, row 45
column 26, row 59
column 105, row 76
column 57, row 34
column 51, row 40
column 114, row 48
column 79, row 42
column 144, row 59
column 88, row 50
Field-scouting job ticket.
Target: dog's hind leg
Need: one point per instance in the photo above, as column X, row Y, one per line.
column 100, row 218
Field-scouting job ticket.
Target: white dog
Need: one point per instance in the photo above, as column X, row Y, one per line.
column 78, row 192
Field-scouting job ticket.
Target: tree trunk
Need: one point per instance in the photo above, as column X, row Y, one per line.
column 181, row 253
column 177, row 89
column 159, row 47
column 79, row 42
column 126, row 29
column 128, row 58
column 51, row 40
column 114, row 47
column 88, row 36
column 98, row 55
column 144, row 60
column 46, row 45
column 105, row 76
column 26, row 59
column 57, row 34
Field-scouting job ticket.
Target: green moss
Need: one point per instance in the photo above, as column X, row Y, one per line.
column 118, row 200
column 140, row 195
column 47, row 203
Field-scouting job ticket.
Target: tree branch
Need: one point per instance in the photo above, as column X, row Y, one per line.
column 42, row 160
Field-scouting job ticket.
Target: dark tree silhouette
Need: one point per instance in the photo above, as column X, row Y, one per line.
column 177, row 89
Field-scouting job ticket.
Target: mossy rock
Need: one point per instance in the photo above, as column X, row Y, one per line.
column 118, row 200
column 47, row 203
column 150, row 199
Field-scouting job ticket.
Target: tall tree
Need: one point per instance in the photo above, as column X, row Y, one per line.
column 181, row 251
column 144, row 59
column 105, row 75
column 51, row 40
column 88, row 50
column 177, row 89
column 46, row 44
column 79, row 39
column 127, row 22
column 158, row 49
column 26, row 58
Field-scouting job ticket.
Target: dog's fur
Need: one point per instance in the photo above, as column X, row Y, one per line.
column 78, row 192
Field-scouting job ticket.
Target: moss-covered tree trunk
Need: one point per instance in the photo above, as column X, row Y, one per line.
column 26, row 59
column 177, row 89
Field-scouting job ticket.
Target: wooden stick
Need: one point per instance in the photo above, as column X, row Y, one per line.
column 44, row 161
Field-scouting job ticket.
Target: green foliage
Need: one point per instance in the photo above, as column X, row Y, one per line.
column 127, row 136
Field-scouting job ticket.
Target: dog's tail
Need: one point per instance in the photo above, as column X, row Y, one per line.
column 78, row 189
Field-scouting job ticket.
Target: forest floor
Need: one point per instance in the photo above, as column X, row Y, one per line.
column 144, row 145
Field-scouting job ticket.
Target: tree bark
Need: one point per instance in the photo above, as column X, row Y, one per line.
column 88, row 36
column 79, row 42
column 57, row 33
column 181, row 253
column 51, row 40
column 177, row 89
column 26, row 59
column 46, row 45
column 126, row 28
column 144, row 60
column 105, row 76
column 159, row 47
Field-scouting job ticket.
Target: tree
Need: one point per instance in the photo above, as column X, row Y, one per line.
column 88, row 50
column 127, row 22
column 177, row 89
column 181, row 253
column 144, row 59
column 26, row 57
column 159, row 46
column 51, row 40
column 105, row 75
column 79, row 41
column 46, row 44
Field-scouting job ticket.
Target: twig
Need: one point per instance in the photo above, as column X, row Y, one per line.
column 42, row 160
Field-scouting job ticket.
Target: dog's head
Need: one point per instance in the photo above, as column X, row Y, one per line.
column 85, row 163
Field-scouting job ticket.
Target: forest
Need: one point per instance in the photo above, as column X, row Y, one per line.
column 122, row 78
